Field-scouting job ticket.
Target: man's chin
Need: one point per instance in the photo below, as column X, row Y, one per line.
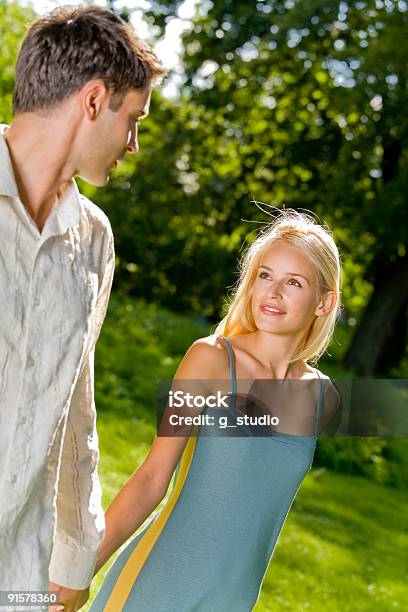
column 96, row 181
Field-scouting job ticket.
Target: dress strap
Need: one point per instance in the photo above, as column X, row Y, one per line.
column 320, row 401
column 233, row 376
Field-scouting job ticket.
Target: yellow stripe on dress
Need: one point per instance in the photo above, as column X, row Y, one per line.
column 134, row 564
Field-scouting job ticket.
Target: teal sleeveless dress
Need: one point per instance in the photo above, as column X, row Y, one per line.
column 212, row 553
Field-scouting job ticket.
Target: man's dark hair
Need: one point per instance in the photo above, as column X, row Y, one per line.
column 70, row 46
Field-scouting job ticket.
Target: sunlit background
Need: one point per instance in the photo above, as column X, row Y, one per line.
column 168, row 47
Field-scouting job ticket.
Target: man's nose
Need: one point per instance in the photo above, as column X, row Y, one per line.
column 133, row 145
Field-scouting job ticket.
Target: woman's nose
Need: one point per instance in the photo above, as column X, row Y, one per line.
column 274, row 289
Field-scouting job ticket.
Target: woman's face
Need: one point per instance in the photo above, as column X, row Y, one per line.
column 285, row 294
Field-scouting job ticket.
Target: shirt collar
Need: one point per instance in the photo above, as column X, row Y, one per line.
column 8, row 185
column 65, row 214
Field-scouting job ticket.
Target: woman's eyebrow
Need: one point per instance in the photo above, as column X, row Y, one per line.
column 289, row 273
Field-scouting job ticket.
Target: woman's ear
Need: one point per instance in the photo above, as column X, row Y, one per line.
column 326, row 304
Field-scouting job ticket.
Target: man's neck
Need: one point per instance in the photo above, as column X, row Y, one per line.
column 40, row 161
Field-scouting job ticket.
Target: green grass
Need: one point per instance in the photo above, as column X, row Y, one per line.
column 344, row 544
column 343, row 548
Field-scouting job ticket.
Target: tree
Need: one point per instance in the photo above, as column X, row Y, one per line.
column 307, row 106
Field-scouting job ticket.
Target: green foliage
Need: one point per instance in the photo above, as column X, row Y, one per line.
column 171, row 247
column 298, row 104
column 140, row 345
column 381, row 459
column 13, row 22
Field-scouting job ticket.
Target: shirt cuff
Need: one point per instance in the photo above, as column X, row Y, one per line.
column 71, row 565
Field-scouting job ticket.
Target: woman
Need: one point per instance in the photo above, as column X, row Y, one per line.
column 209, row 548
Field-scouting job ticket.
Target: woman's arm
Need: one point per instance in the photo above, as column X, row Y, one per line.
column 148, row 485
column 140, row 495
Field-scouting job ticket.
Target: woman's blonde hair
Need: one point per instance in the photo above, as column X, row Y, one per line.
column 302, row 232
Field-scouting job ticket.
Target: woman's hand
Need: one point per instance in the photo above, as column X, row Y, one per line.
column 71, row 600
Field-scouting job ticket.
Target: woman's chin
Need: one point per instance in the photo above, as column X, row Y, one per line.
column 269, row 326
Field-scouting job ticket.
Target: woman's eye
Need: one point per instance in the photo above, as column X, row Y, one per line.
column 293, row 280
column 263, row 275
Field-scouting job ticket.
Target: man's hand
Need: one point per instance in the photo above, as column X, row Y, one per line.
column 70, row 599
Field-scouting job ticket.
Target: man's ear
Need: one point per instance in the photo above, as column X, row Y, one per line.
column 326, row 304
column 94, row 96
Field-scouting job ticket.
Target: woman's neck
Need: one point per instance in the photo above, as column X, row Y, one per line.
column 274, row 353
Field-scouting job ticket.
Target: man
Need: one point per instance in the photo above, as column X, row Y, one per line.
column 83, row 81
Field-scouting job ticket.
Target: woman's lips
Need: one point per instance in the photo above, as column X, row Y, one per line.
column 272, row 311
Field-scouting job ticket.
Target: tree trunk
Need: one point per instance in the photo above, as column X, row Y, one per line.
column 381, row 338
column 395, row 346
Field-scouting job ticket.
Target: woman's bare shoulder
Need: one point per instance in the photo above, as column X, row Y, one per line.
column 206, row 358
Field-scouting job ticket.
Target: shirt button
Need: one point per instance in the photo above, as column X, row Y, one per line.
column 13, row 479
column 23, row 421
column 30, row 362
column 36, row 301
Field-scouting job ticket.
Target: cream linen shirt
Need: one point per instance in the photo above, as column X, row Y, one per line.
column 54, row 290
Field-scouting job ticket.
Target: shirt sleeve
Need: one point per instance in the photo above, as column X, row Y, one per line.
column 80, row 517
